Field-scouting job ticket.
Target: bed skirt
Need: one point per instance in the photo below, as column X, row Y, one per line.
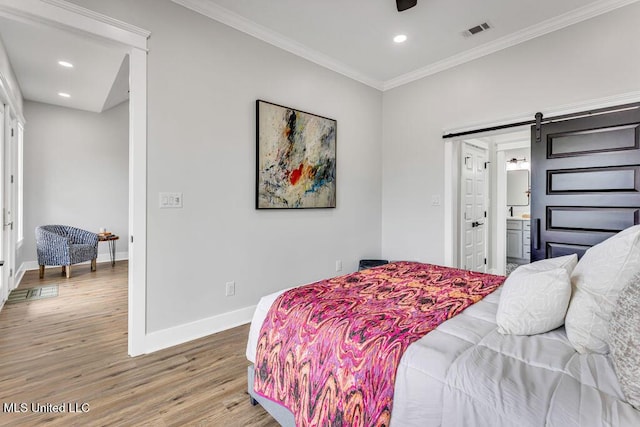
column 281, row 414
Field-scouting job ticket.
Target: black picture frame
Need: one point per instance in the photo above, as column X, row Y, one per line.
column 295, row 158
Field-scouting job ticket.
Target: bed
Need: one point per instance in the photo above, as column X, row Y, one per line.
column 468, row 372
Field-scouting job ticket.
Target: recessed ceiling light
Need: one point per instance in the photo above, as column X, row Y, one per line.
column 64, row 94
column 66, row 64
column 400, row 38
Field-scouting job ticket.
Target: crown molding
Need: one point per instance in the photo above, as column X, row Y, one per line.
column 71, row 7
column 550, row 25
column 69, row 16
column 240, row 23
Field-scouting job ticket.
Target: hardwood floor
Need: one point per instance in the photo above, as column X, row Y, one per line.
column 72, row 350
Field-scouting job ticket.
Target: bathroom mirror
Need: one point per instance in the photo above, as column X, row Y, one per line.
column 518, row 187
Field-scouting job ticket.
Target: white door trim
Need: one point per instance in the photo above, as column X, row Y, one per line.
column 500, row 239
column 5, row 287
column 68, row 16
column 138, row 202
column 8, row 234
column 449, row 203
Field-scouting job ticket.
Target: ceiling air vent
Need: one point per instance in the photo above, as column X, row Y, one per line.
column 477, row 29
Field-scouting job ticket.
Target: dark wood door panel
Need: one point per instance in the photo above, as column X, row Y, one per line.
column 595, row 160
column 618, row 179
column 585, row 182
column 591, row 219
column 607, row 140
column 612, row 119
column 554, row 250
column 574, row 237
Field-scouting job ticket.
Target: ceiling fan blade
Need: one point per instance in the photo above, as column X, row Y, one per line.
column 405, row 4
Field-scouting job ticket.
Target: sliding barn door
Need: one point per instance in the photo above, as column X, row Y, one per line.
column 585, row 182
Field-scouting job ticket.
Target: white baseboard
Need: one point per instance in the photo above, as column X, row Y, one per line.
column 166, row 338
column 120, row 256
column 29, row 265
column 19, row 275
column 33, row 265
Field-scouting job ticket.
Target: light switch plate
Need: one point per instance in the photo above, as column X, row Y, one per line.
column 170, row 200
column 230, row 289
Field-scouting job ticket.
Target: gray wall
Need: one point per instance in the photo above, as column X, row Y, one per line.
column 590, row 60
column 75, row 172
column 203, row 81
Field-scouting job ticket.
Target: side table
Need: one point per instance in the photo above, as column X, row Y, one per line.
column 111, row 238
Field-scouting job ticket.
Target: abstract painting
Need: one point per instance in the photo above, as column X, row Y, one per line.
column 296, row 158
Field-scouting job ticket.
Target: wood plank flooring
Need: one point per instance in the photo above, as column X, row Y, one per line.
column 72, row 350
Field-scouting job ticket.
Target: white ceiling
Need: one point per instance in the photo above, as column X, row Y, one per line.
column 354, row 37
column 351, row 37
column 97, row 81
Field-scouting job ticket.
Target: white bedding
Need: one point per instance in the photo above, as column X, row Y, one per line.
column 464, row 373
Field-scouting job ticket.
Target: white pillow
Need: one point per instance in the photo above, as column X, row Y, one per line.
column 568, row 262
column 604, row 270
column 624, row 333
column 535, row 297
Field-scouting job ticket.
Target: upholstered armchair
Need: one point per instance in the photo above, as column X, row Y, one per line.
column 64, row 245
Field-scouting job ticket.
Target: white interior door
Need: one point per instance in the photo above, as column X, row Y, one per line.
column 474, row 214
column 8, row 240
column 4, row 130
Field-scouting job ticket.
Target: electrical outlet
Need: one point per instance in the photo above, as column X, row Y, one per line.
column 339, row 265
column 435, row 200
column 230, row 289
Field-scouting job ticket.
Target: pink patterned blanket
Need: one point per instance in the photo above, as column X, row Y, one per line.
column 329, row 351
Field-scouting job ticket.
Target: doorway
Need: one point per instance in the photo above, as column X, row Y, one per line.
column 511, row 136
column 499, row 147
column 518, row 190
column 86, row 23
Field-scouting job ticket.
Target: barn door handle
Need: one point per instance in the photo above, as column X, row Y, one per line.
column 536, row 233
